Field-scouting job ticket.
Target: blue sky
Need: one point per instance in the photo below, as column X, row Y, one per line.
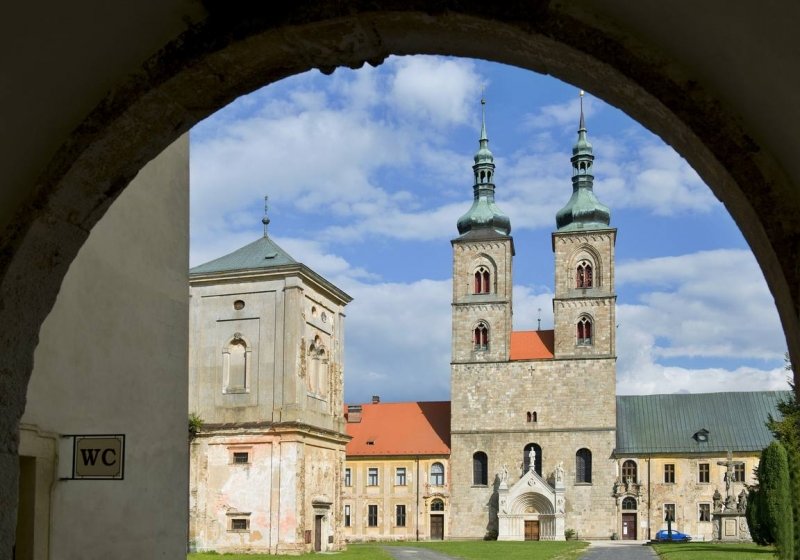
column 368, row 170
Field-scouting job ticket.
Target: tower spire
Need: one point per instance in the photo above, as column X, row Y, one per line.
column 265, row 219
column 484, row 213
column 584, row 210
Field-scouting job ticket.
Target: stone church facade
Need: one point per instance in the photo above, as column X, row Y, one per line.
column 266, row 378
column 533, row 421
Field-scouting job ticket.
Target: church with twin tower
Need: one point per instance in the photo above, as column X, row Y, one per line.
column 533, row 425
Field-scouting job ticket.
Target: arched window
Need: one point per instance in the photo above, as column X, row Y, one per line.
column 480, row 337
column 629, row 471
column 480, row 469
column 584, row 331
column 437, row 474
column 629, row 503
column 482, row 281
column 583, row 275
column 526, row 458
column 583, row 466
column 236, row 365
column 437, row 505
column 528, row 417
column 237, row 374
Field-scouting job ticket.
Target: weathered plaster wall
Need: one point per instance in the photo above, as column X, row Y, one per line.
column 112, row 359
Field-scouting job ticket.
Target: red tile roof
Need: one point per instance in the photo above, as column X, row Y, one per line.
column 531, row 345
column 406, row 428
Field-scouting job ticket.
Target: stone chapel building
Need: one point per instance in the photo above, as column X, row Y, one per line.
column 266, row 378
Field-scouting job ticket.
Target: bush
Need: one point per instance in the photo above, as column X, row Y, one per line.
column 569, row 534
column 774, row 506
column 491, row 535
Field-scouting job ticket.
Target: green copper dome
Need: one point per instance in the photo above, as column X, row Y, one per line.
column 584, row 210
column 484, row 213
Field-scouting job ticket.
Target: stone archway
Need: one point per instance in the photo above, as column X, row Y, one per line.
column 121, row 115
column 531, row 501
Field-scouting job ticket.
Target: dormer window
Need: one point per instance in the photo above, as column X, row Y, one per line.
column 701, row 436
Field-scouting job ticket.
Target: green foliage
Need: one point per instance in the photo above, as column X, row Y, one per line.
column 195, row 424
column 760, row 535
column 786, row 429
column 569, row 534
column 775, row 508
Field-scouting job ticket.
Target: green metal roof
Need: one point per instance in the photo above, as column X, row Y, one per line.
column 263, row 253
column 667, row 423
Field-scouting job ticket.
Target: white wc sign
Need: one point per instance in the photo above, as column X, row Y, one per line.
column 98, row 457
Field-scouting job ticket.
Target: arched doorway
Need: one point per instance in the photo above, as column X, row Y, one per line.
column 125, row 113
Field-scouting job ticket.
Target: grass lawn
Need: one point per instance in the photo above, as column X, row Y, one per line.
column 490, row 550
column 707, row 550
column 469, row 550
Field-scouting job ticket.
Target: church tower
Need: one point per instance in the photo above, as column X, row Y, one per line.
column 584, row 302
column 482, row 282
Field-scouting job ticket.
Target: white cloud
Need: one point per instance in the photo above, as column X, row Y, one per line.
column 433, row 89
column 398, row 341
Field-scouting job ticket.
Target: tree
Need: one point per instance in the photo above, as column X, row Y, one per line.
column 773, row 505
column 786, row 430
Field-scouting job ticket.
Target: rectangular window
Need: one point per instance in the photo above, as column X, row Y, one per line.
column 347, row 515
column 669, row 512
column 738, row 472
column 400, row 515
column 372, row 477
column 400, row 476
column 348, row 477
column 240, row 524
column 704, row 473
column 241, row 457
column 704, row 512
column 669, row 473
column 372, row 516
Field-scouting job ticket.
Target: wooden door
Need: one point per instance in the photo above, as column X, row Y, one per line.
column 531, row 530
column 628, row 526
column 437, row 527
column 318, row 533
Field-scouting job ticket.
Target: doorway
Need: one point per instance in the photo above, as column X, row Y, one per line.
column 318, row 533
column 628, row 526
column 531, row 530
column 437, row 527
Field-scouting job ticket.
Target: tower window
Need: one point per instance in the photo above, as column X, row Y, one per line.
column 585, row 331
column 583, row 466
column 482, row 281
column 480, row 470
column 583, row 275
column 532, row 416
column 480, row 337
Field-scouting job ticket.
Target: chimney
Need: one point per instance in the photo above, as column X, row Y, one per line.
column 353, row 413
column 376, row 399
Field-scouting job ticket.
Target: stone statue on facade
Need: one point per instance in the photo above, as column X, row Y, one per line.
column 560, row 471
column 717, row 499
column 741, row 507
column 532, row 459
column 504, row 473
